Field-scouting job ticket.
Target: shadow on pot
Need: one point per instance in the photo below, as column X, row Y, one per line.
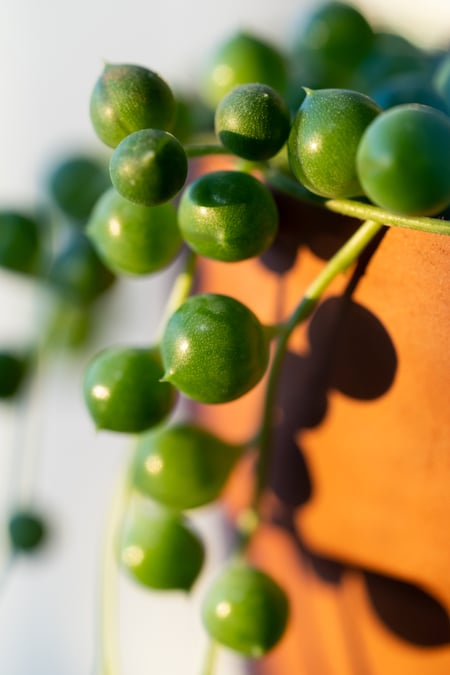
column 407, row 610
column 309, row 226
column 349, row 350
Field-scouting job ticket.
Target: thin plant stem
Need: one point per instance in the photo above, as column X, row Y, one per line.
column 338, row 264
column 29, row 428
column 108, row 660
column 347, row 207
column 357, row 209
column 210, row 661
column 204, row 149
column 181, row 289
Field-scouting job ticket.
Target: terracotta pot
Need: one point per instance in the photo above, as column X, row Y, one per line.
column 358, row 510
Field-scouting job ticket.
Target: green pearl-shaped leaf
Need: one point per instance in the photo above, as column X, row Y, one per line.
column 13, row 368
column 27, row 530
column 246, row 610
column 159, row 549
column 242, row 58
column 228, row 216
column 75, row 183
column 403, row 160
column 324, row 140
column 123, row 391
column 214, row 348
column 77, row 272
column 182, row 465
column 335, row 35
column 253, row 121
column 19, row 242
column 132, row 238
column 149, row 167
column 127, row 98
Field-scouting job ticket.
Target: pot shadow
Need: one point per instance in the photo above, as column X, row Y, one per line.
column 349, row 348
column 305, row 225
column 407, row 610
column 350, row 351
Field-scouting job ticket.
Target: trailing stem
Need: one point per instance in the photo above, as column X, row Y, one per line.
column 338, row 264
column 108, row 659
column 204, row 149
column 181, row 289
column 357, row 209
column 210, row 662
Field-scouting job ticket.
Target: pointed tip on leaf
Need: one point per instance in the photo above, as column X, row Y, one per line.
column 167, row 377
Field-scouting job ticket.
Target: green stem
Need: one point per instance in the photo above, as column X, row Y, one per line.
column 209, row 664
column 347, row 207
column 203, row 149
column 29, row 428
column 247, row 523
column 109, row 653
column 181, row 290
column 274, row 330
column 355, row 209
column 335, row 266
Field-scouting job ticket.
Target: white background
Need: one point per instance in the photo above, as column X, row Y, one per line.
column 51, row 53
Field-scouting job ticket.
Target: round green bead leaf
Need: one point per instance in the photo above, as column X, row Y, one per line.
column 132, row 238
column 245, row 610
column 76, row 182
column 334, row 33
column 12, row 372
column 183, row 465
column 19, row 242
column 403, row 160
column 149, row 167
column 27, row 531
column 253, row 121
column 159, row 549
column 77, row 272
column 127, row 98
column 123, row 391
column 324, row 140
column 228, row 216
column 240, row 59
column 214, row 349
column 330, row 42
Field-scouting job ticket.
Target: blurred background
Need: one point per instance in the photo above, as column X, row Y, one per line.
column 51, row 54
